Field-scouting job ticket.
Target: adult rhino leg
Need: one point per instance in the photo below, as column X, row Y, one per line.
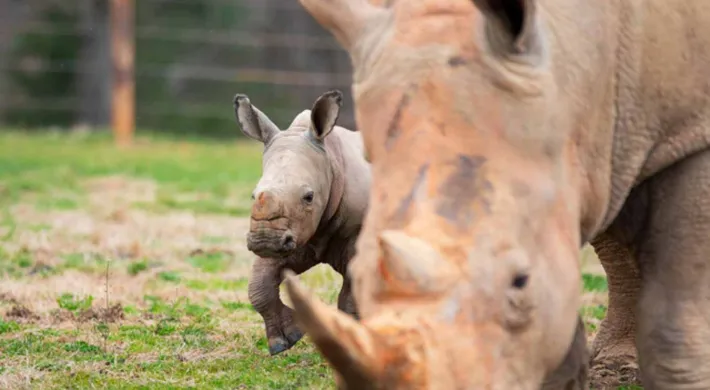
column 572, row 372
column 613, row 355
column 282, row 332
column 673, row 336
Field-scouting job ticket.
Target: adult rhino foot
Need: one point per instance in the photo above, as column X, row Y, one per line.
column 610, row 372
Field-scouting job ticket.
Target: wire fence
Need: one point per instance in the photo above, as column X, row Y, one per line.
column 192, row 56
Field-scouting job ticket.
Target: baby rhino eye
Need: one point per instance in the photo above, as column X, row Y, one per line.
column 308, row 197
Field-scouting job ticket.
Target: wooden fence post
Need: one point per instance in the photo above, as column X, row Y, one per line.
column 122, row 59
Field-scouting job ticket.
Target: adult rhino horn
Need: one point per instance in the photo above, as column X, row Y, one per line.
column 348, row 345
column 412, row 266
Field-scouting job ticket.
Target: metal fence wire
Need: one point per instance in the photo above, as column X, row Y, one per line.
column 191, row 57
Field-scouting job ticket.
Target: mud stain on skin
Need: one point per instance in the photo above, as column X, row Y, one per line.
column 394, row 129
column 464, row 192
column 457, row 61
column 400, row 214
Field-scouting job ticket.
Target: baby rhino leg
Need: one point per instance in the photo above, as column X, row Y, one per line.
column 346, row 302
column 282, row 332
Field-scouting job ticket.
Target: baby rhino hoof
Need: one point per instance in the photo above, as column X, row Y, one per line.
column 277, row 345
column 281, row 344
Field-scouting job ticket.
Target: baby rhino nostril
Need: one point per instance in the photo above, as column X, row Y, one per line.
column 288, row 243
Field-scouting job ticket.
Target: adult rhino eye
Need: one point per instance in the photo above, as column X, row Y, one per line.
column 520, row 281
column 308, row 197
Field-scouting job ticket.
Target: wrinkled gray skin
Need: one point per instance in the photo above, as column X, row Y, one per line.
column 308, row 206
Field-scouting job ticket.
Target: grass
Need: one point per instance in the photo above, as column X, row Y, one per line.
column 207, row 177
column 163, row 223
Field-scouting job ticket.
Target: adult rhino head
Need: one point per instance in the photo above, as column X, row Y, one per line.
column 476, row 118
column 294, row 190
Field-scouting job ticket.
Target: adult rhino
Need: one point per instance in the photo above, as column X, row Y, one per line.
column 308, row 206
column 504, row 135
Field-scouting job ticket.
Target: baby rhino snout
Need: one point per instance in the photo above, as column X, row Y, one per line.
column 271, row 243
column 288, row 243
column 269, row 232
column 265, row 207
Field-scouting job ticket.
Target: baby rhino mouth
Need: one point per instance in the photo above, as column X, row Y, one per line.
column 271, row 238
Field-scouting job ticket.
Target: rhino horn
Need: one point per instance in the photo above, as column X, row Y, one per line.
column 348, row 345
column 413, row 266
column 345, row 19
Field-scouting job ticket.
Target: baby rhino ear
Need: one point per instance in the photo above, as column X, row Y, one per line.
column 325, row 113
column 254, row 123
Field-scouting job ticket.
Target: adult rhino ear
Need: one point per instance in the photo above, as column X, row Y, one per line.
column 510, row 24
column 254, row 123
column 325, row 113
column 347, row 20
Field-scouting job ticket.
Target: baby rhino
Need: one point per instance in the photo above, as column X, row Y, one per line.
column 307, row 208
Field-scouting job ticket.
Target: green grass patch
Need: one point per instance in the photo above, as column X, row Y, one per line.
column 42, row 227
column 210, row 262
column 177, row 309
column 169, row 276
column 137, row 267
column 172, row 370
column 82, row 347
column 23, row 259
column 47, row 203
column 214, row 240
column 236, row 306
column 217, row 284
column 8, row 326
column 596, row 283
column 86, row 262
column 592, row 316
column 597, row 312
column 168, row 354
column 130, row 310
column 50, row 164
column 211, row 203
column 17, row 264
column 68, row 301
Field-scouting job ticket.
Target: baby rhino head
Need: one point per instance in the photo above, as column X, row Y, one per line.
column 297, row 175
